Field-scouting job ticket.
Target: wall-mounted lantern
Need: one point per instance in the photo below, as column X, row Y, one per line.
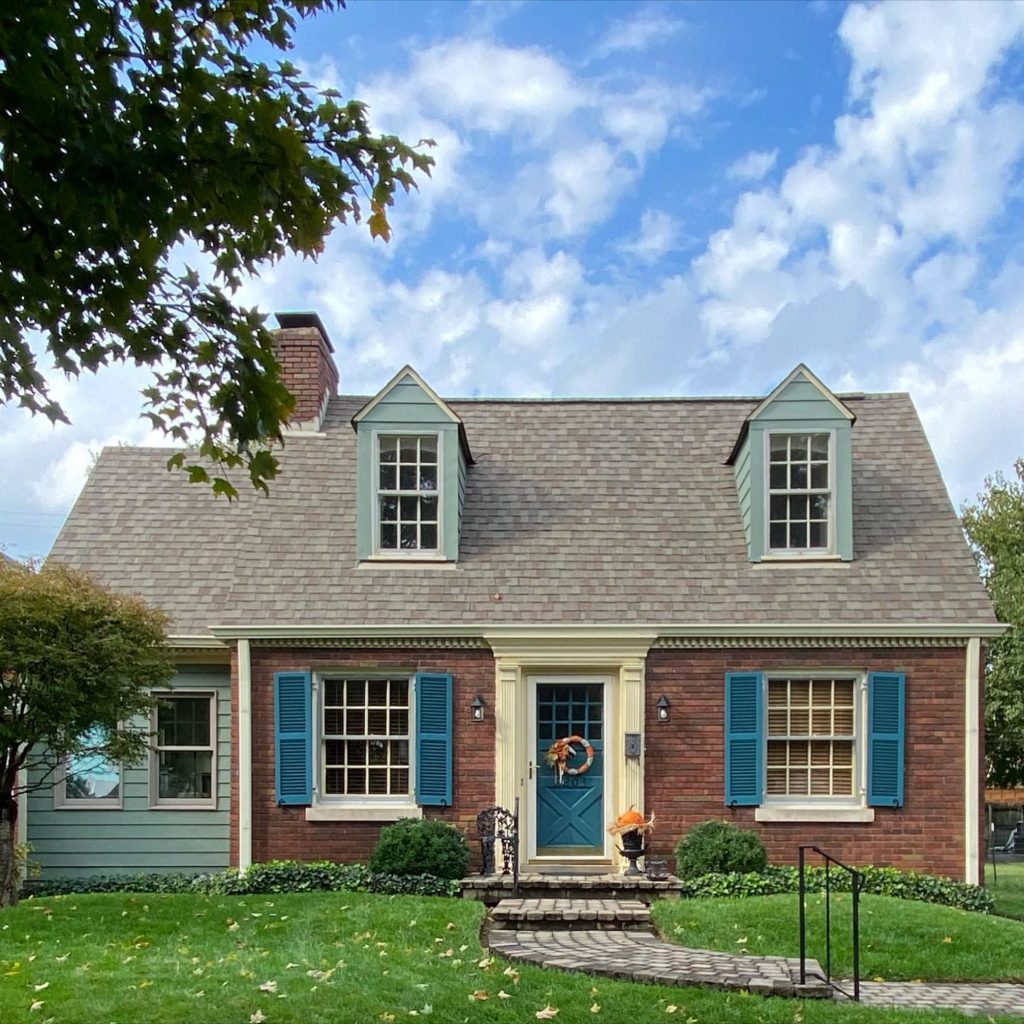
column 477, row 707
column 663, row 707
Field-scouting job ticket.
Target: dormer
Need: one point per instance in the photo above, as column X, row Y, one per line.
column 413, row 461
column 793, row 468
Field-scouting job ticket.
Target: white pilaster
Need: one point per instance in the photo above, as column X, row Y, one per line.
column 244, row 756
column 972, row 759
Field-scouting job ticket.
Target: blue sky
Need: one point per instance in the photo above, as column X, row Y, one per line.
column 643, row 198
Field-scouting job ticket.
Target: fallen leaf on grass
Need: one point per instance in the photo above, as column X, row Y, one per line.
column 512, row 973
column 37, row 1005
column 268, row 986
column 548, row 1013
column 948, row 938
column 257, row 1018
column 671, row 1008
column 62, row 959
column 485, row 963
column 596, row 1008
column 40, row 987
column 450, row 926
column 502, row 994
column 480, row 995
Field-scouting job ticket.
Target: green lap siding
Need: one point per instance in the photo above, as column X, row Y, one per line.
column 136, row 837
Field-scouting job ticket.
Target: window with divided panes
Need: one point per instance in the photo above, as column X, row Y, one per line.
column 799, row 492
column 366, row 737
column 811, row 737
column 407, row 492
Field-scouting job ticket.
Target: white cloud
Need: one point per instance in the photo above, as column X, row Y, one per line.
column 648, row 27
column 753, row 166
column 659, row 234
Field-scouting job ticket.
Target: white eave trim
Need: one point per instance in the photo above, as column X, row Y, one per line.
column 610, row 631
column 190, row 641
column 802, row 370
column 405, row 371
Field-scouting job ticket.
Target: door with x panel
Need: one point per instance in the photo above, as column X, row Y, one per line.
column 569, row 775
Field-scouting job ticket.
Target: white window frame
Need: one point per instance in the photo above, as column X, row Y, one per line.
column 62, row 802
column 401, row 554
column 359, row 807
column 800, row 553
column 817, row 807
column 158, row 803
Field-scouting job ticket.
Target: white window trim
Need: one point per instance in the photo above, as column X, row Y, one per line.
column 851, row 808
column 337, row 807
column 400, row 554
column 62, row 802
column 156, row 803
column 800, row 554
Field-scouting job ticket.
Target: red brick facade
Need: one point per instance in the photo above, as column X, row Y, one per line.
column 684, row 756
column 283, row 832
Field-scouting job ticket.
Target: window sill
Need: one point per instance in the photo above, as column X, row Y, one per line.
column 811, row 812
column 205, row 806
column 795, row 559
column 384, row 562
column 98, row 806
column 362, row 812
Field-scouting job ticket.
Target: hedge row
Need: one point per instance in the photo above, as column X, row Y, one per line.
column 906, row 885
column 277, row 876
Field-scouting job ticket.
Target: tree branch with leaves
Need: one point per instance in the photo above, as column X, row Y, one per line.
column 134, row 130
column 77, row 664
column 995, row 528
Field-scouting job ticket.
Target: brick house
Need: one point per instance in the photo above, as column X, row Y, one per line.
column 758, row 610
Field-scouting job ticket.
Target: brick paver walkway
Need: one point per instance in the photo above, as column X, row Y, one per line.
column 641, row 956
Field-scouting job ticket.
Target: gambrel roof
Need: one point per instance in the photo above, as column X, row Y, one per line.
column 595, row 511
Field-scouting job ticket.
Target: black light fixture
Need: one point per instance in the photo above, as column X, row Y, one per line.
column 663, row 706
column 477, row 707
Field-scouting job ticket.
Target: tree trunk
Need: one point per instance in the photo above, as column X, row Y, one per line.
column 10, row 869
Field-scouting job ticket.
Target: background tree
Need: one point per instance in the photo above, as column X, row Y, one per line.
column 76, row 665
column 995, row 528
column 133, row 132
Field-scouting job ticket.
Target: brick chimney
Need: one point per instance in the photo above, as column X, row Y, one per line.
column 307, row 367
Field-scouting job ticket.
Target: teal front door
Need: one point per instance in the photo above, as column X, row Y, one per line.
column 570, row 792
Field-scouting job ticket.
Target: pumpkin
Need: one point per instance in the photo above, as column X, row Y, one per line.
column 631, row 821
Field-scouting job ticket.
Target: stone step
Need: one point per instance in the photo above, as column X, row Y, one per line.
column 571, row 914
column 491, row 889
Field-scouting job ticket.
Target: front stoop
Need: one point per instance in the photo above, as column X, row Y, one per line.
column 572, row 915
column 492, row 889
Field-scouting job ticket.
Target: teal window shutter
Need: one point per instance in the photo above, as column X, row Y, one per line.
column 293, row 731
column 434, row 739
column 886, row 716
column 744, row 739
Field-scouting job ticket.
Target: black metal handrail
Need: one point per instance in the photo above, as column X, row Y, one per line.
column 856, row 882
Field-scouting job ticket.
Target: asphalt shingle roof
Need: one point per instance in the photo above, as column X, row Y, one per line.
column 576, row 512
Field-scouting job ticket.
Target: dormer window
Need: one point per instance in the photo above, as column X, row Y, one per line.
column 799, row 493
column 408, row 511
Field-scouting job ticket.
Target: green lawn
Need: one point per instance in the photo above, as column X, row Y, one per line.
column 1008, row 887
column 335, row 958
column 900, row 939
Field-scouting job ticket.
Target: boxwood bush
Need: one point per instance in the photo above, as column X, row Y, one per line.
column 420, row 846
column 719, row 846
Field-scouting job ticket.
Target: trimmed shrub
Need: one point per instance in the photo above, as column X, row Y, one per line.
column 719, row 846
column 420, row 846
column 280, row 876
column 905, row 885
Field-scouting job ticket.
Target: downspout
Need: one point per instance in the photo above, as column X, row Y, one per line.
column 972, row 759
column 22, row 836
column 244, row 756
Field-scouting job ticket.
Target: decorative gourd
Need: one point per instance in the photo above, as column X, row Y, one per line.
column 631, row 821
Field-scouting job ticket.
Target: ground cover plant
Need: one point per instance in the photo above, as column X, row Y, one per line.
column 1006, row 884
column 900, row 939
column 343, row 958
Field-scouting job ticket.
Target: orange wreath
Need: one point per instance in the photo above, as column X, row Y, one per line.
column 561, row 750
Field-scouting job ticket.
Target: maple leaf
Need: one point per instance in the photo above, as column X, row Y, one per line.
column 257, row 1018
column 269, row 986
column 596, row 1008
column 450, row 926
column 548, row 1013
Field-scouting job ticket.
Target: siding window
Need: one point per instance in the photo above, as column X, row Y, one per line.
column 799, row 493
column 88, row 779
column 811, row 748
column 408, row 508
column 365, row 738
column 183, row 766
